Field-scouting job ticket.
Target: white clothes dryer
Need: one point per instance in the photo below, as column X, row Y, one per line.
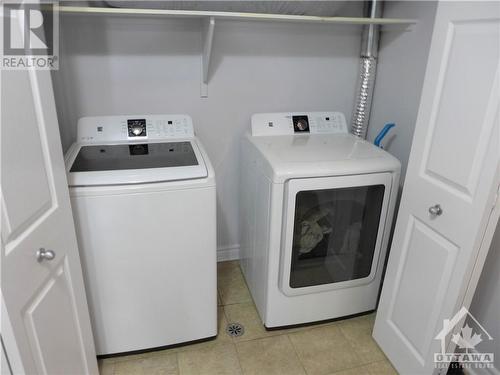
column 143, row 196
column 316, row 213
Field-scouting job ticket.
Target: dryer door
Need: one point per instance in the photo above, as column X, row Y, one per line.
column 332, row 233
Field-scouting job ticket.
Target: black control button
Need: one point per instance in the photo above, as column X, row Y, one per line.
column 300, row 124
column 136, row 128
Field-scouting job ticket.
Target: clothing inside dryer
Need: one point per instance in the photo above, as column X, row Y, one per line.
column 335, row 233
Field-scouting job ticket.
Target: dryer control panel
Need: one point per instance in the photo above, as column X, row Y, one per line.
column 134, row 128
column 289, row 123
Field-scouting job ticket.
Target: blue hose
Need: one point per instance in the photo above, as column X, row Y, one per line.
column 383, row 133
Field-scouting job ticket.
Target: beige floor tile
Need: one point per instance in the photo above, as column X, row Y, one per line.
column 123, row 358
column 370, row 318
column 228, row 264
column 324, row 350
column 358, row 332
column 381, row 368
column 375, row 368
column 217, row 360
column 106, row 367
column 163, row 362
column 363, row 370
column 231, row 284
column 154, row 363
column 130, row 367
column 269, row 356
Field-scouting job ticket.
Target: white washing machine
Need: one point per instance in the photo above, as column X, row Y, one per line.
column 143, row 196
column 317, row 207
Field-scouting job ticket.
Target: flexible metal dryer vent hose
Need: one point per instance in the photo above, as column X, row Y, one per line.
column 367, row 71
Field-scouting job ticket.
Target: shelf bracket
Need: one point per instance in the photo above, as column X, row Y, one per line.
column 207, row 31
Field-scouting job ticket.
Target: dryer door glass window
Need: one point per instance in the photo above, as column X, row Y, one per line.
column 335, row 234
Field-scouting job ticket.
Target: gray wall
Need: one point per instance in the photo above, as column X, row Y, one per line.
column 112, row 65
column 120, row 65
column 400, row 76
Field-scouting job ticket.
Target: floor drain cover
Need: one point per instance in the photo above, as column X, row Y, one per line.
column 235, row 329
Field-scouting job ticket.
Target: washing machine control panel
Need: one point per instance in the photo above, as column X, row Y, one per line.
column 265, row 124
column 134, row 127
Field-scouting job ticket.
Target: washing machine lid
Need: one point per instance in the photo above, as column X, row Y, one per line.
column 134, row 163
column 314, row 155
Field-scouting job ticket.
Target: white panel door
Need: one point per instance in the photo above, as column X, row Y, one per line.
column 44, row 297
column 454, row 163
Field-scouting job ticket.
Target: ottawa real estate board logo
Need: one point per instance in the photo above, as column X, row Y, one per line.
column 467, row 334
column 30, row 35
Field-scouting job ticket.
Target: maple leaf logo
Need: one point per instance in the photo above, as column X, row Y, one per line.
column 466, row 340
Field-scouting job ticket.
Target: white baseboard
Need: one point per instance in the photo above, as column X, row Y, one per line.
column 228, row 253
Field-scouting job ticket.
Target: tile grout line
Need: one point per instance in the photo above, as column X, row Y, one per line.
column 236, row 342
column 219, row 298
column 358, row 367
column 276, row 333
column 348, row 342
column 227, row 320
column 178, row 363
column 355, row 352
column 237, row 303
column 296, row 353
column 238, row 357
column 344, row 369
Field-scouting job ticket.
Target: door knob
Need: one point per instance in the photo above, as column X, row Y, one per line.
column 435, row 210
column 42, row 254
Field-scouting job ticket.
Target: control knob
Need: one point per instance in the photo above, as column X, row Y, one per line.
column 136, row 130
column 302, row 125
